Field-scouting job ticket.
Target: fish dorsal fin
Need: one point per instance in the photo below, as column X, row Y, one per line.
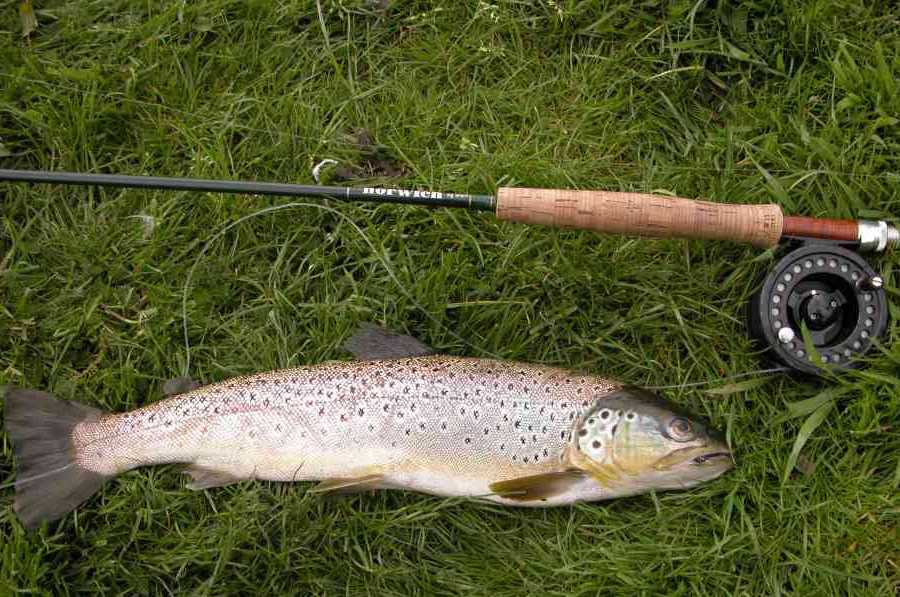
column 347, row 485
column 537, row 487
column 179, row 385
column 372, row 342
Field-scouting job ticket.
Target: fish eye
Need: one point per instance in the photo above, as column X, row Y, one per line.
column 680, row 429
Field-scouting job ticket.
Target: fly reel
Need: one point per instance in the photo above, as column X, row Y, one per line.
column 821, row 306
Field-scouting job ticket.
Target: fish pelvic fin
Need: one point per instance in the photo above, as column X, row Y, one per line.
column 49, row 480
column 372, row 342
column 204, row 477
column 537, row 487
column 347, row 485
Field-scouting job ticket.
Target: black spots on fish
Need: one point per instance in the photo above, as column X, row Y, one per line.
column 406, row 389
column 552, row 417
column 517, row 424
column 541, row 411
column 591, row 421
column 571, row 415
column 462, row 411
column 544, row 430
column 421, row 426
column 515, row 405
column 604, row 414
column 371, row 428
column 322, row 411
column 360, row 412
column 468, row 440
column 523, row 440
column 498, row 427
column 596, row 444
column 486, row 430
column 612, row 431
column 562, row 435
column 515, row 457
column 169, row 423
column 153, row 416
column 546, row 452
column 502, row 403
column 444, row 426
column 408, row 431
column 215, row 410
column 343, row 418
column 629, row 416
column 531, row 428
column 386, row 407
column 534, row 439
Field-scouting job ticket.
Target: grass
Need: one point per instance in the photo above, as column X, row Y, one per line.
column 790, row 102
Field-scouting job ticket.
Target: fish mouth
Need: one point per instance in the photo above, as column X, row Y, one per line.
column 718, row 457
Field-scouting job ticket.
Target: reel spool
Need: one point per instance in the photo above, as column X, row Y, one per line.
column 835, row 293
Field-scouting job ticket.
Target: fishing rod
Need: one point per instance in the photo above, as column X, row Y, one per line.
column 821, row 294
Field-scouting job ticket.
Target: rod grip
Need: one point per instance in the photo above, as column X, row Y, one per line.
column 642, row 214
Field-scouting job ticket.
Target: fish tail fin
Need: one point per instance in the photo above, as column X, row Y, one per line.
column 49, row 482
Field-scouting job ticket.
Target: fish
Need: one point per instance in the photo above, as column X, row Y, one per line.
column 399, row 417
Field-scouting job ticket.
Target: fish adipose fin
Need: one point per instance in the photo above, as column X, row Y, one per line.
column 49, row 480
column 372, row 342
column 537, row 487
column 203, row 477
column 347, row 486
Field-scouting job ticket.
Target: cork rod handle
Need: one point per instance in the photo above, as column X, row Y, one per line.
column 642, row 214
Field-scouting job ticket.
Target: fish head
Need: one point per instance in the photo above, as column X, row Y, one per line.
column 631, row 441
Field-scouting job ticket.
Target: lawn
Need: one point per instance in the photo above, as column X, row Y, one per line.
column 792, row 102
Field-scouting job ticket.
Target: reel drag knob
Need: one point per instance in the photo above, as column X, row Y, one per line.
column 833, row 292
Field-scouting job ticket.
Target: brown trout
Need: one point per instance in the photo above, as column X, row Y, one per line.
column 513, row 433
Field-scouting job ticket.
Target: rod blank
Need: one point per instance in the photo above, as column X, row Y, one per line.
column 379, row 194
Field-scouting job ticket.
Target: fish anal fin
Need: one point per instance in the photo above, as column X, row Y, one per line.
column 204, row 477
column 537, row 487
column 347, row 485
column 373, row 342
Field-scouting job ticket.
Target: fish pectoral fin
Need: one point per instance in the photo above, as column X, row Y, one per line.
column 372, row 342
column 347, row 485
column 203, row 477
column 606, row 475
column 537, row 487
